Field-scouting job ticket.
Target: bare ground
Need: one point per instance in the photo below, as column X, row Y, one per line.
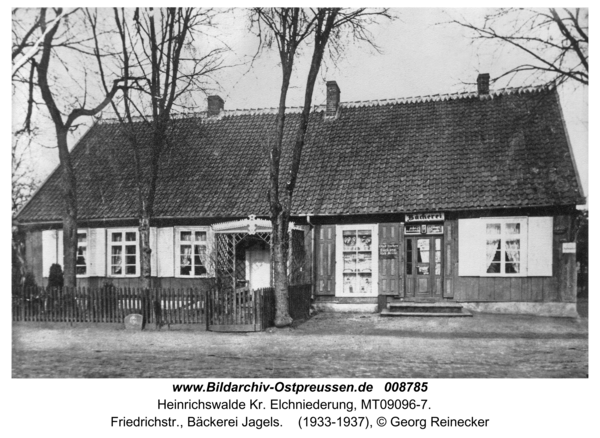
column 327, row 345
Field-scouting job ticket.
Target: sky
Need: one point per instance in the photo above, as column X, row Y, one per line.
column 420, row 54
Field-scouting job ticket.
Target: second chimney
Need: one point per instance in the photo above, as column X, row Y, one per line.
column 333, row 98
column 215, row 105
column 483, row 84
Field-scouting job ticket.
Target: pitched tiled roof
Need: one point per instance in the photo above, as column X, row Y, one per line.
column 450, row 152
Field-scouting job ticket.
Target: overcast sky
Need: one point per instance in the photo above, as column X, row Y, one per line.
column 420, row 56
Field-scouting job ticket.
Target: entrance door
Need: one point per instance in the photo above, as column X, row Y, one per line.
column 424, row 266
column 258, row 268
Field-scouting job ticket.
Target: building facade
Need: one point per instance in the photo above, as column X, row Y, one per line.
column 467, row 197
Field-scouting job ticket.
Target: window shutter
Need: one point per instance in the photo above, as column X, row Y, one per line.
column 539, row 247
column 49, row 251
column 60, row 259
column 97, row 252
column 388, row 264
column 471, row 243
column 153, row 254
column 165, row 252
column 326, row 260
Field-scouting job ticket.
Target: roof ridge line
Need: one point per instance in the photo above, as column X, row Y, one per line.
column 352, row 104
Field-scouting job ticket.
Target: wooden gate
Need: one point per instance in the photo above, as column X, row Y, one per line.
column 240, row 310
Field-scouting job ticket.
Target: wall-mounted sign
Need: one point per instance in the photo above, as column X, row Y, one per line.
column 569, row 248
column 412, row 229
column 423, row 229
column 424, row 217
column 389, row 250
column 435, row 229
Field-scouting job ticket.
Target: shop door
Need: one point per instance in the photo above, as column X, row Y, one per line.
column 424, row 267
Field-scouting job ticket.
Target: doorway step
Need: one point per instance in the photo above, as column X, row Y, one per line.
column 427, row 309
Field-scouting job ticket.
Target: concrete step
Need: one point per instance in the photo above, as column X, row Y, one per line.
column 425, row 307
column 462, row 313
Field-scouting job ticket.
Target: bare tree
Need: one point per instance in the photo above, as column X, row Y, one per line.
column 24, row 181
column 555, row 40
column 51, row 33
column 288, row 29
column 160, row 49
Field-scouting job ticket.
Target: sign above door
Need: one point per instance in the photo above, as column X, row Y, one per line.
column 424, row 217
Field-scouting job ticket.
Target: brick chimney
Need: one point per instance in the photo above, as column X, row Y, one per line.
column 333, row 98
column 483, row 84
column 215, row 105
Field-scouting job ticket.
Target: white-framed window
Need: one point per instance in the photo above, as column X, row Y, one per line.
column 81, row 263
column 357, row 260
column 123, row 253
column 192, row 252
column 505, row 247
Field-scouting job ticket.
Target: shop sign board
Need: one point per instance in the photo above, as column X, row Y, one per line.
column 388, row 250
column 424, row 217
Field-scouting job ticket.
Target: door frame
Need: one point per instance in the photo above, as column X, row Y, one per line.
column 436, row 283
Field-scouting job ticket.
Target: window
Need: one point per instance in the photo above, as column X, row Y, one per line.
column 123, row 252
column 191, row 252
column 357, row 262
column 505, row 247
column 81, row 262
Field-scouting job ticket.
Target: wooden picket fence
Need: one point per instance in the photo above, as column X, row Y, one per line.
column 167, row 306
column 219, row 310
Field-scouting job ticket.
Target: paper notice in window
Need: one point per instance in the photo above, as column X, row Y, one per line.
column 423, row 244
column 569, row 248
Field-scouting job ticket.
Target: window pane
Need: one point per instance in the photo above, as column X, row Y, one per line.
column 492, row 229
column 200, row 236
column 130, row 237
column 130, row 270
column 185, row 270
column 185, row 236
column 130, row 260
column 513, row 228
column 117, row 237
column 364, row 240
column 130, row 249
column 512, row 268
column 199, row 270
column 513, row 256
column 349, row 262
column 423, row 270
column 363, row 263
column 116, row 250
column 81, row 237
column 116, row 270
column 349, row 240
column 80, row 270
column 492, row 253
column 493, row 268
column 422, row 250
column 349, row 283
column 364, row 284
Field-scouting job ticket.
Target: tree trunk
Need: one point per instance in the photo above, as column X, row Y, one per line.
column 69, row 190
column 145, row 267
column 280, row 245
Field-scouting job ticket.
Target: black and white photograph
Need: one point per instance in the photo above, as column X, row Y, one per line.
column 297, row 199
